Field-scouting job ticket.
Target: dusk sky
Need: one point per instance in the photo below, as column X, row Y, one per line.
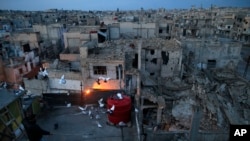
column 114, row 4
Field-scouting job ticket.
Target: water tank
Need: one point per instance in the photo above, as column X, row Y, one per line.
column 122, row 111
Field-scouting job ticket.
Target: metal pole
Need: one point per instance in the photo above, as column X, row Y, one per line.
column 138, row 95
column 119, row 75
column 81, row 93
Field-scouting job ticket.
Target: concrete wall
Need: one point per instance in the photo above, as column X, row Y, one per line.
column 223, row 52
column 14, row 74
column 173, row 66
column 42, row 29
column 153, row 61
column 114, row 32
column 70, row 84
column 146, row 30
column 26, row 37
column 70, row 57
column 48, row 31
column 35, row 86
column 111, row 69
column 109, row 85
column 76, row 39
column 73, row 80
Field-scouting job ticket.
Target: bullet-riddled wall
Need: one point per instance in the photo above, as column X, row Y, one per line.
column 161, row 58
column 217, row 54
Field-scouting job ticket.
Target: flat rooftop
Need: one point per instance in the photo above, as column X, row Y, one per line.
column 74, row 125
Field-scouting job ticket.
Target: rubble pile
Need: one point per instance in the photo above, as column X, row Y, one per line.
column 223, row 99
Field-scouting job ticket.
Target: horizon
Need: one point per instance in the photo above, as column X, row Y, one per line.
column 86, row 5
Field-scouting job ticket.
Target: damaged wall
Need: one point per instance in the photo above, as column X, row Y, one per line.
column 161, row 58
column 77, row 39
column 214, row 54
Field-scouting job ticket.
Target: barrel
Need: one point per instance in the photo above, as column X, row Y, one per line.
column 122, row 112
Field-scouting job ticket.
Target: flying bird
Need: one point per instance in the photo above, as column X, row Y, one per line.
column 69, row 105
column 45, row 72
column 62, row 80
column 83, row 109
column 111, row 110
column 21, row 88
column 136, row 110
column 98, row 81
column 121, row 123
column 100, row 103
column 5, row 85
column 97, row 116
column 119, row 95
column 90, row 112
column 104, row 79
column 98, row 124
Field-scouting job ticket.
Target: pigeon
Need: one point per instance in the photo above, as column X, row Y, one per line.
column 136, row 110
column 104, row 79
column 119, row 95
column 45, row 72
column 90, row 114
column 121, row 123
column 100, row 103
column 62, row 80
column 98, row 124
column 5, row 85
column 83, row 109
column 111, row 110
column 21, row 88
column 98, row 82
column 69, row 105
column 97, row 116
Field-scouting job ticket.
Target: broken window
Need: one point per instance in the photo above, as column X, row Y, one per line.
column 117, row 72
column 165, row 57
column 101, row 37
column 160, row 30
column 26, row 48
column 184, row 32
column 167, row 29
column 152, row 52
column 211, row 63
column 154, row 60
column 100, row 70
column 135, row 61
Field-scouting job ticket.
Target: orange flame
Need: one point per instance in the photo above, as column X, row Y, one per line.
column 87, row 91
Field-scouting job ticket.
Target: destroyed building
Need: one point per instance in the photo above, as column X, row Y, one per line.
column 179, row 67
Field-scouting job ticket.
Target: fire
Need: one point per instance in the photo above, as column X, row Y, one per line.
column 87, row 91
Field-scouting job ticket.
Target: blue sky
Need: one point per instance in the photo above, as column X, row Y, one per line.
column 114, row 4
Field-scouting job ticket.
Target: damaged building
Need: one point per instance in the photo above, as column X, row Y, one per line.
column 175, row 70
